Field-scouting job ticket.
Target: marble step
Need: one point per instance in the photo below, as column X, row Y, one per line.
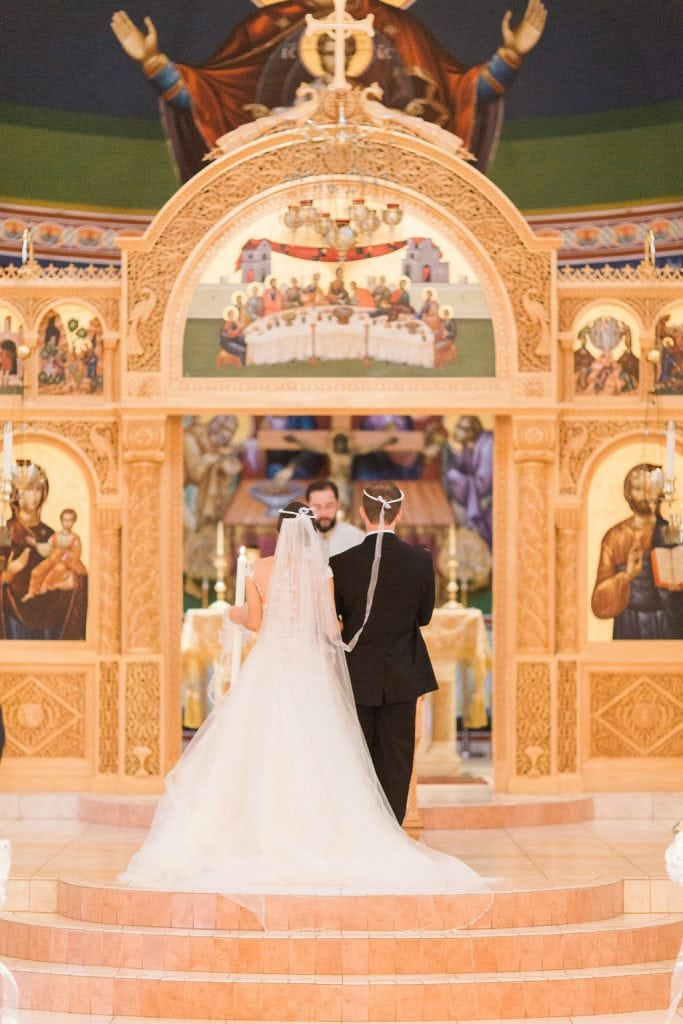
column 519, row 813
column 641, row 1017
column 516, row 812
column 109, row 904
column 627, row 939
column 334, row 998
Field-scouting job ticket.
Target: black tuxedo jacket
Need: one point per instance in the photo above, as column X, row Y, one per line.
column 389, row 663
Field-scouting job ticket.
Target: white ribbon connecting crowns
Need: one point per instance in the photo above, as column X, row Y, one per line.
column 374, row 572
column 304, row 510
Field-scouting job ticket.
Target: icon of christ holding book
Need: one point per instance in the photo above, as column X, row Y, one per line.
column 643, row 606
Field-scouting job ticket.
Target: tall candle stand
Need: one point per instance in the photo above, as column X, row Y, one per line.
column 452, row 565
column 220, row 564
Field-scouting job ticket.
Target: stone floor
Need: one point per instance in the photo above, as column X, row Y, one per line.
column 539, row 849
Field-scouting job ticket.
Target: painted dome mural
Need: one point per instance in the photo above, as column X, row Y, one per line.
column 591, row 118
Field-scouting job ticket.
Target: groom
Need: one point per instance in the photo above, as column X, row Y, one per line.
column 389, row 665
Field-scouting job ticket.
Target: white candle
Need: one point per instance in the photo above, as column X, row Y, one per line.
column 7, row 451
column 220, row 540
column 240, row 592
column 669, row 461
column 451, row 540
column 241, row 577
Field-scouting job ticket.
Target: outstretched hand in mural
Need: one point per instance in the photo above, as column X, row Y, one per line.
column 524, row 38
column 258, row 65
column 139, row 46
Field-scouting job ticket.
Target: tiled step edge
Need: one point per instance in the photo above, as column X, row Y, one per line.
column 508, row 815
column 60, row 940
column 518, row 909
column 333, row 998
column 127, row 813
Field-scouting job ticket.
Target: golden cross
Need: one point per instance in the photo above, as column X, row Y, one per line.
column 339, row 25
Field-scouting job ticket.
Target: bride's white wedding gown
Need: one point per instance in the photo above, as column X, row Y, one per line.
column 276, row 793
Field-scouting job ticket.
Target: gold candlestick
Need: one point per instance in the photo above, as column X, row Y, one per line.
column 452, row 587
column 220, row 563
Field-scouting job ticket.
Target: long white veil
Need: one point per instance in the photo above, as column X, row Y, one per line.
column 299, row 616
column 277, row 794
column 300, row 622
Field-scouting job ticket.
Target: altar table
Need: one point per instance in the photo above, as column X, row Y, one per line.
column 457, row 642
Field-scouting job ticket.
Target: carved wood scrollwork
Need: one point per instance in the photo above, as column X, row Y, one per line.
column 579, row 439
column 647, row 308
column 108, row 733
column 533, row 722
column 142, row 717
column 98, row 440
column 567, row 717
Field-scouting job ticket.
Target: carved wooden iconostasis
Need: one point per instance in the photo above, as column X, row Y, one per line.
column 572, row 708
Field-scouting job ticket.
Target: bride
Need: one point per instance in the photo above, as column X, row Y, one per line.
column 276, row 793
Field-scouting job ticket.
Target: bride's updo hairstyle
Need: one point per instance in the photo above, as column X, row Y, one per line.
column 374, row 494
column 288, row 511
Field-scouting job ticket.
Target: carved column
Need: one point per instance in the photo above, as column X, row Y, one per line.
column 109, row 533
column 534, row 572
column 143, row 453
column 567, row 520
column 567, row 373
column 109, row 369
column 144, row 590
column 534, row 453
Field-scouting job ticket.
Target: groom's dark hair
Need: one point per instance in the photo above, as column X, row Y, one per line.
column 373, row 507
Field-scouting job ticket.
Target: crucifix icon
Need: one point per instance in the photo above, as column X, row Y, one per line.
column 339, row 25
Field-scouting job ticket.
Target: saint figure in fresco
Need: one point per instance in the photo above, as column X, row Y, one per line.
column 56, row 613
column 469, row 474
column 625, row 588
column 259, row 63
column 62, row 563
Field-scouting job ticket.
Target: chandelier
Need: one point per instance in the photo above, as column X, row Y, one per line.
column 340, row 223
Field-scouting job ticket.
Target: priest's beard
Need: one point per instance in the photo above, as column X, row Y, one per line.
column 325, row 525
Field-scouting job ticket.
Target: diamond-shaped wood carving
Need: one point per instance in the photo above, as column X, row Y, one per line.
column 643, row 719
column 44, row 716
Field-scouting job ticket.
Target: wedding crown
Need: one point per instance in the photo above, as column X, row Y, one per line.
column 303, row 511
column 385, row 503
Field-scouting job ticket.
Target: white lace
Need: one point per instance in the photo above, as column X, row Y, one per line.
column 276, row 793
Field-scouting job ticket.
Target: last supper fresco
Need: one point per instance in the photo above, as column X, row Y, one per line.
column 391, row 298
